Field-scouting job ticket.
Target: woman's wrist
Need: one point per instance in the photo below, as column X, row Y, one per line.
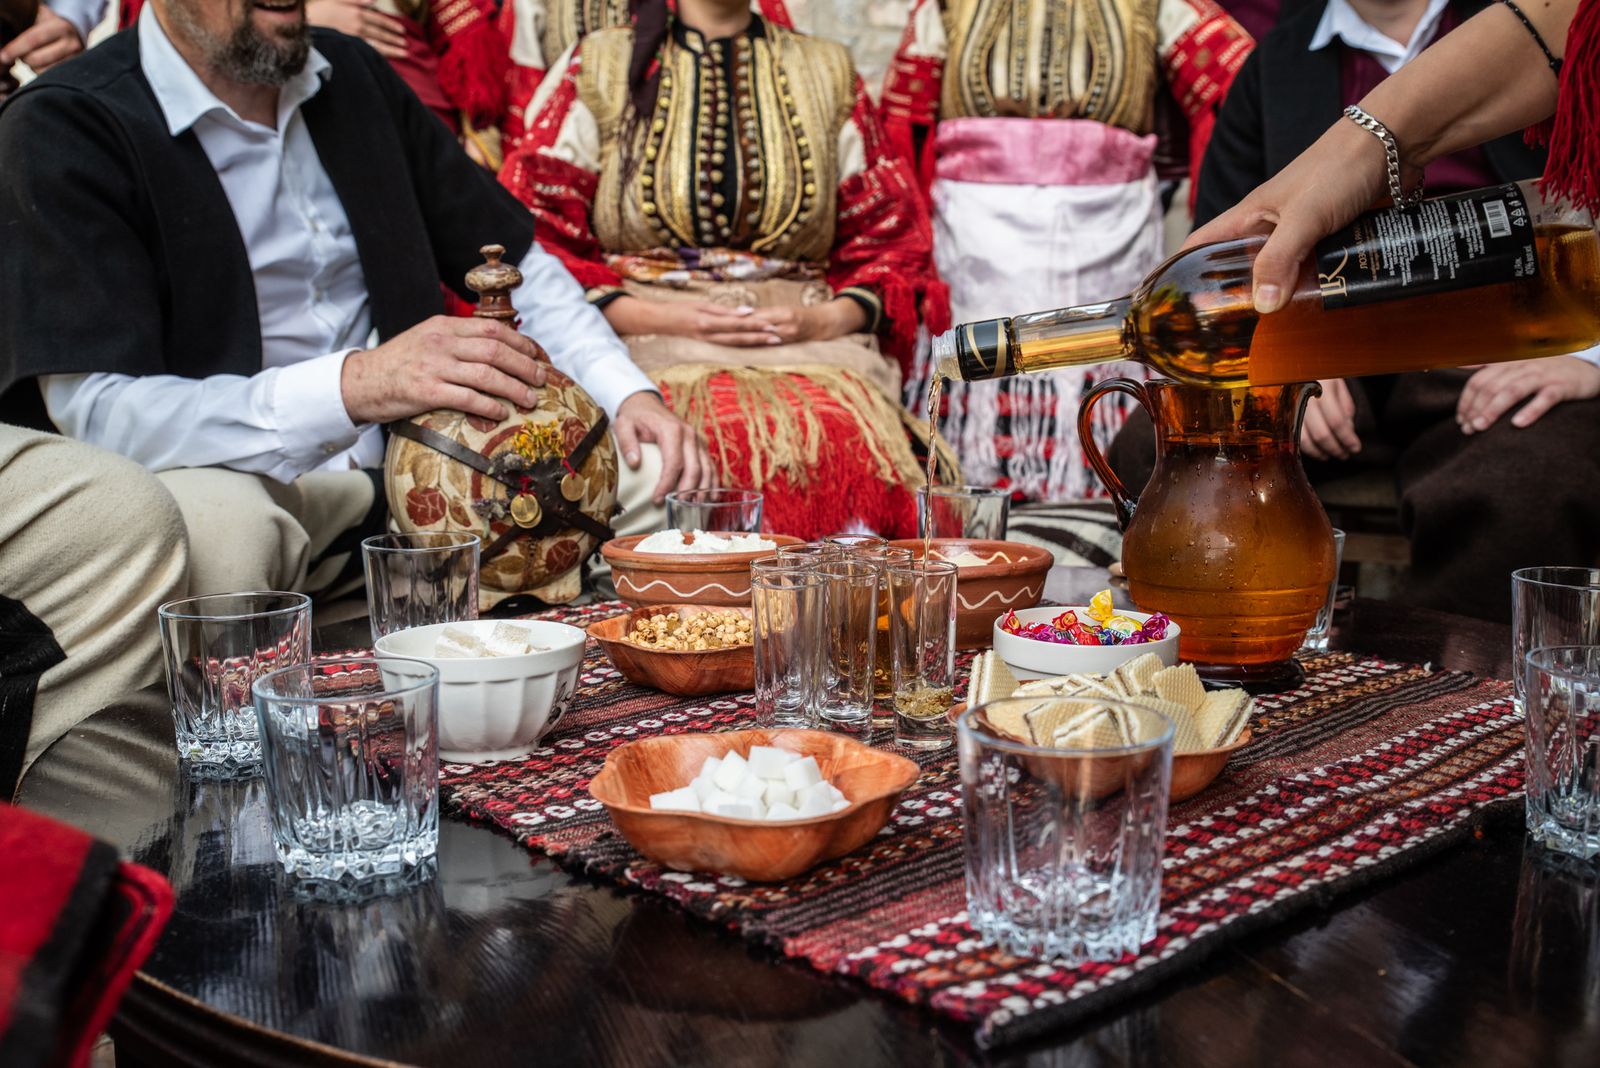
column 845, row 316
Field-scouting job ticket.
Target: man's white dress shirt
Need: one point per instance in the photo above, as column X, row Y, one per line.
column 312, row 299
column 1340, row 20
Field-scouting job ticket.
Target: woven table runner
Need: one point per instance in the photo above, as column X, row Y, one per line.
column 1365, row 768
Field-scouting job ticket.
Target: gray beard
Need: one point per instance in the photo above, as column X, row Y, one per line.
column 247, row 55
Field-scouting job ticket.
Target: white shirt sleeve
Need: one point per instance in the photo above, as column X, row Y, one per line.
column 85, row 15
column 1591, row 355
column 580, row 342
column 281, row 422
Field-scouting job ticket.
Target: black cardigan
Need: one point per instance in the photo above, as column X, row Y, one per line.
column 119, row 251
column 1284, row 98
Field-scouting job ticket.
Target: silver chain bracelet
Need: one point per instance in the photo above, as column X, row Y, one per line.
column 1391, row 156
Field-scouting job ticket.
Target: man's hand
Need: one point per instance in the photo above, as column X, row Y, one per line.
column 685, row 463
column 41, row 46
column 472, row 365
column 357, row 18
column 1329, row 429
column 1496, row 389
column 812, row 322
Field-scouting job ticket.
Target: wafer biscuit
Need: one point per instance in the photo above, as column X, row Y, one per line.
column 1181, row 684
column 1222, row 716
column 1136, row 674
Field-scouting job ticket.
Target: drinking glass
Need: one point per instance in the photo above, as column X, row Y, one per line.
column 1064, row 845
column 963, row 512
column 214, row 648
column 922, row 638
column 727, row 510
column 884, row 556
column 854, row 543
column 849, row 635
column 1317, row 637
column 351, row 754
column 787, row 605
column 1561, row 706
column 1551, row 606
column 810, row 553
column 414, row 580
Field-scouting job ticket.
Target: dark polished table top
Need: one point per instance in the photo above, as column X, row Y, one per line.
column 1486, row 953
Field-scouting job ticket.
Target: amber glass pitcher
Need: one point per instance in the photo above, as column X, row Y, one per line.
column 1227, row 538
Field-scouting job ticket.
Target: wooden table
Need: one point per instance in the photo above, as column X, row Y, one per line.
column 1488, row 953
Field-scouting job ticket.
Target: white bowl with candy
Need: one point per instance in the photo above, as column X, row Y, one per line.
column 1038, row 643
column 503, row 684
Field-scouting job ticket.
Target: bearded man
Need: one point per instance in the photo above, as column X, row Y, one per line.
column 224, row 239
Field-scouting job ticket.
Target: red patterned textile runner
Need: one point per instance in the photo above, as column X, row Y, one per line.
column 1362, row 770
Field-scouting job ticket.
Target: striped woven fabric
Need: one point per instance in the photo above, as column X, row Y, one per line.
column 1080, row 534
column 1364, row 769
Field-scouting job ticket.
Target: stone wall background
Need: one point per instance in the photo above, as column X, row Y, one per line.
column 871, row 29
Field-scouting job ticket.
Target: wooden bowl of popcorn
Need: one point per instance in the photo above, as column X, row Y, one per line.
column 760, row 804
column 685, row 649
column 704, row 567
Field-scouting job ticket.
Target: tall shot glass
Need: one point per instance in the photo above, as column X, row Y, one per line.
column 885, row 556
column 1561, row 706
column 1064, row 845
column 351, row 754
column 849, row 641
column 787, row 629
column 725, row 510
column 215, row 647
column 922, row 637
column 1316, row 640
column 417, row 579
column 979, row 512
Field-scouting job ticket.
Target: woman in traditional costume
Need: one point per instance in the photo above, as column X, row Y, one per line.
column 720, row 186
column 1032, row 124
column 449, row 52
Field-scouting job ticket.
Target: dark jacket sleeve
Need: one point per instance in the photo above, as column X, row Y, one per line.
column 1236, row 159
column 463, row 206
column 78, row 288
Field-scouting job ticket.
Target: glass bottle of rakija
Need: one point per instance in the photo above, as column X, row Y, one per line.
column 1479, row 277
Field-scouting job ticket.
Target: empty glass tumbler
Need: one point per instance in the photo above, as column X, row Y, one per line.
column 922, row 639
column 787, row 629
column 977, row 512
column 1064, row 845
column 414, row 580
column 849, row 639
column 732, row 510
column 1561, row 705
column 215, row 647
column 351, row 755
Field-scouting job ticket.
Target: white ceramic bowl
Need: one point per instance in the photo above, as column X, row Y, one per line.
column 1030, row 659
column 496, row 707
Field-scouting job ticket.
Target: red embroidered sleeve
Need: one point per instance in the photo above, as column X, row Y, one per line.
column 883, row 240
column 1202, row 48
column 560, row 194
column 911, row 88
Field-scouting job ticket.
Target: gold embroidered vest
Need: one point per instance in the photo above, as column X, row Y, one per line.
column 1065, row 59
column 740, row 152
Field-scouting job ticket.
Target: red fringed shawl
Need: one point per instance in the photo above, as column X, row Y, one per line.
column 1573, row 170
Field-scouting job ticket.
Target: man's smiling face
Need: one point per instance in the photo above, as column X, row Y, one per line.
column 259, row 42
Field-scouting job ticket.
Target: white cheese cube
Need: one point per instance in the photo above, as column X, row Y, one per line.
column 777, row 793
column 823, row 790
column 815, row 804
column 447, row 647
column 730, row 773
column 840, row 806
column 736, row 808
column 507, row 639
column 751, row 788
column 834, row 794
column 781, row 811
column 708, row 770
column 703, row 788
column 769, row 761
column 681, row 800
column 802, row 773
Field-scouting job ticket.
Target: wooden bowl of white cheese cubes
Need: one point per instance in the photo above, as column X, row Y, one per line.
column 502, row 684
column 760, row 804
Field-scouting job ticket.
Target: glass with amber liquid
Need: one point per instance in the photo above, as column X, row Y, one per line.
column 1482, row 277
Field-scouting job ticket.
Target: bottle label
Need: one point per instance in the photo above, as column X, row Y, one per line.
column 1479, row 238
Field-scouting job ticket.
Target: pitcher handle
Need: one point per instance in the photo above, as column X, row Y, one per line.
column 1124, row 501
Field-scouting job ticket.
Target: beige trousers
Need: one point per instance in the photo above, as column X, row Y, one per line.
column 90, row 544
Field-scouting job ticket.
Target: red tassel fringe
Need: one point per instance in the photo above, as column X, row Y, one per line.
column 472, row 72
column 1573, row 171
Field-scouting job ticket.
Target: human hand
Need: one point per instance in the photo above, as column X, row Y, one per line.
column 1499, row 387
column 811, row 322
column 41, row 46
column 472, row 365
column 385, row 33
column 1325, row 187
column 685, row 463
column 1329, row 429
column 697, row 319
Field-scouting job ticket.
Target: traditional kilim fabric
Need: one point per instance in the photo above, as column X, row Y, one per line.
column 1365, row 768
column 1079, row 533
